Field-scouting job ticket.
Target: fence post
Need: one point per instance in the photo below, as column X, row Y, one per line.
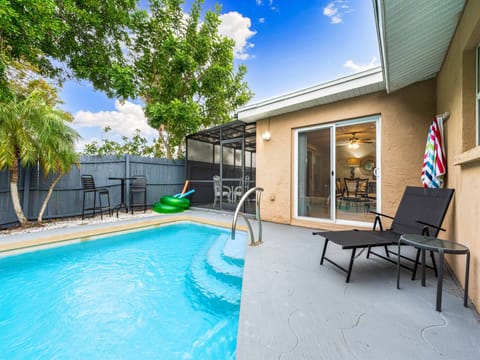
column 127, row 183
column 26, row 191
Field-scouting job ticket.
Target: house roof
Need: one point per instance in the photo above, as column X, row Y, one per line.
column 414, row 37
column 361, row 83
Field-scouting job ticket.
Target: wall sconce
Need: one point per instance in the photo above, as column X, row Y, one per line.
column 353, row 163
column 266, row 135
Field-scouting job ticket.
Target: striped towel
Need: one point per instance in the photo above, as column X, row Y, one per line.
column 434, row 160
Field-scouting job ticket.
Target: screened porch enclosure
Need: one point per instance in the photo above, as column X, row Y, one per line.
column 221, row 165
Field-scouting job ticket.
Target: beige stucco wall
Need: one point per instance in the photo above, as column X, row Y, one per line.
column 456, row 94
column 405, row 117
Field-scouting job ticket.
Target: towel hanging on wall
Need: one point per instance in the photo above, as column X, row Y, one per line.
column 434, row 160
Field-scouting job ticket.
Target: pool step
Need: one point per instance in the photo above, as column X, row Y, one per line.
column 218, row 263
column 214, row 279
column 208, row 289
column 234, row 250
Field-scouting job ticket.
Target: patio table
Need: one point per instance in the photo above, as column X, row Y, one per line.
column 122, row 204
column 441, row 247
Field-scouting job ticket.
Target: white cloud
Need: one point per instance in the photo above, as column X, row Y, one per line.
column 237, row 27
column 270, row 4
column 123, row 121
column 261, row 20
column 355, row 67
column 335, row 11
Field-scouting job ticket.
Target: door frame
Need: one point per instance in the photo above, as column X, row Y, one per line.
column 333, row 126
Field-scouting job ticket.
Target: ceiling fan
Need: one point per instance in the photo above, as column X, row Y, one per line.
column 353, row 142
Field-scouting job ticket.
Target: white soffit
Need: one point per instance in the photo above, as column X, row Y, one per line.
column 362, row 83
column 414, row 37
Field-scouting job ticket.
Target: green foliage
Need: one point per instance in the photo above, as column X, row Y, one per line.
column 86, row 36
column 177, row 64
column 185, row 71
column 137, row 145
column 33, row 130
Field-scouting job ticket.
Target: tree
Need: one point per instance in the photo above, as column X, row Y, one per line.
column 185, row 71
column 137, row 145
column 32, row 130
column 69, row 38
column 57, row 153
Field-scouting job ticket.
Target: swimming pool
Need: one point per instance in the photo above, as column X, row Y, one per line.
column 170, row 292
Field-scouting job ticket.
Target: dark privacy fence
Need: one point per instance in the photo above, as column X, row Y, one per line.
column 163, row 177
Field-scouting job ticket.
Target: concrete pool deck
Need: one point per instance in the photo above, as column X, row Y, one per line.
column 293, row 308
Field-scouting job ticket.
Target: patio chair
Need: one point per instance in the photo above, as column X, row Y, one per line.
column 239, row 190
column 138, row 186
column 421, row 211
column 220, row 192
column 355, row 195
column 88, row 187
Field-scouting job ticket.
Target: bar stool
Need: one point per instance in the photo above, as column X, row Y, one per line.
column 88, row 186
column 138, row 186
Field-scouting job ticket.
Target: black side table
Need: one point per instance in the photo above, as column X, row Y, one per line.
column 442, row 247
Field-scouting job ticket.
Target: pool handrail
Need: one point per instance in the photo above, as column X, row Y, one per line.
column 258, row 191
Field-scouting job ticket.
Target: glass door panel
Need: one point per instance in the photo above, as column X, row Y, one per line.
column 355, row 169
column 313, row 173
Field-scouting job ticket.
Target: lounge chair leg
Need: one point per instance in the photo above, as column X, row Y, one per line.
column 414, row 272
column 324, row 251
column 351, row 265
column 386, row 251
column 368, row 252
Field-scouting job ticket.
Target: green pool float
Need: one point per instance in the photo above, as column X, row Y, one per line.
column 169, row 204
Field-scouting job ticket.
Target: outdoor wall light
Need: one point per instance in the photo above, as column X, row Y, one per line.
column 266, row 135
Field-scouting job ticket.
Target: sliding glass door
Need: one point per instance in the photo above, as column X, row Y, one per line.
column 314, row 161
column 337, row 176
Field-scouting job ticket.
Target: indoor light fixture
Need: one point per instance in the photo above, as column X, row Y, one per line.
column 353, row 142
column 353, row 163
column 266, row 135
column 353, row 145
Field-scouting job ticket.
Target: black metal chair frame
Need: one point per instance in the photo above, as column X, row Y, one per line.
column 138, row 186
column 421, row 211
column 88, row 186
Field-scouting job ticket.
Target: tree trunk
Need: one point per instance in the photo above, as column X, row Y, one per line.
column 47, row 198
column 14, row 194
column 163, row 135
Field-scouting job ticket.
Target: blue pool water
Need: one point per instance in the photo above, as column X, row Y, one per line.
column 171, row 292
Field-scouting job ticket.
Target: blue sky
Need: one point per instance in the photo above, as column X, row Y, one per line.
column 286, row 45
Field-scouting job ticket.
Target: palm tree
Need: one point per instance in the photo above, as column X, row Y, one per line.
column 32, row 130
column 58, row 150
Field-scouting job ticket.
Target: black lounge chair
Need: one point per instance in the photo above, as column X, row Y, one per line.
column 421, row 211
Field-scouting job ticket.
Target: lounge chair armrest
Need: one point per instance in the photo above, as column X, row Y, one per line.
column 378, row 219
column 430, row 225
column 380, row 214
